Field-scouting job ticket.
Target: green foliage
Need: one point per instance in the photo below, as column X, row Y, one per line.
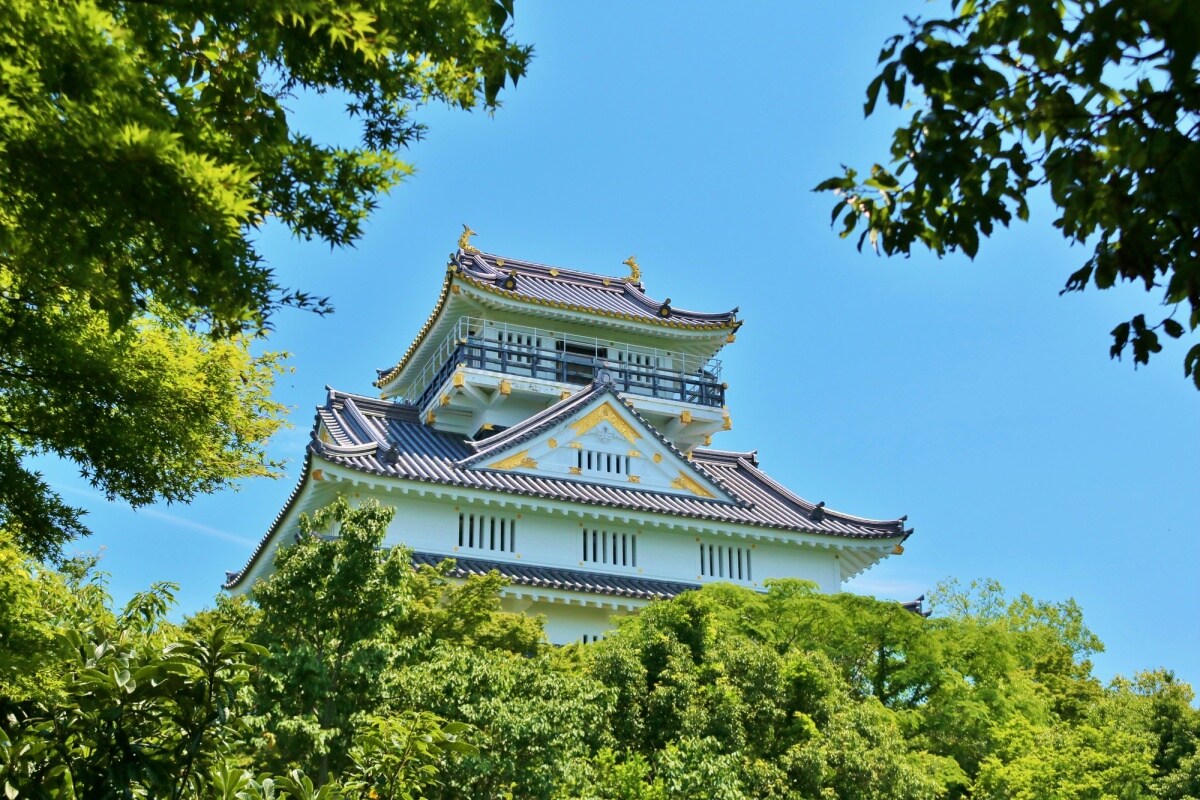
column 533, row 718
column 350, row 675
column 394, row 757
column 326, row 617
column 140, row 707
column 28, row 642
column 142, row 148
column 724, row 688
column 354, row 631
column 1099, row 102
column 607, row 776
column 150, row 410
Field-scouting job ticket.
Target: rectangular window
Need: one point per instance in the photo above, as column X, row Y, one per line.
column 613, row 548
column 725, row 561
column 486, row 532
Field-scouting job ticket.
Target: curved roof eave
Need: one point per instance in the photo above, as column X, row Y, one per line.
column 481, row 279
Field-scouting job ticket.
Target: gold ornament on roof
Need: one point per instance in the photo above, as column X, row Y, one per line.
column 635, row 272
column 691, row 485
column 605, row 413
column 515, row 461
column 464, row 241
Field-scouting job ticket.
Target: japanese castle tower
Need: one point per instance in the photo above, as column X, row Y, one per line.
column 555, row 426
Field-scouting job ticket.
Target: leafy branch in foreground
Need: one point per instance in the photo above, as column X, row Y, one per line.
column 1098, row 102
column 143, row 147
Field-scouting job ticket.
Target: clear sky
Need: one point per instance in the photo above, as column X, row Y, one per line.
column 968, row 395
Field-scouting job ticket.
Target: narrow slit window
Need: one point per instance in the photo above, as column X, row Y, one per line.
column 485, row 532
column 602, row 546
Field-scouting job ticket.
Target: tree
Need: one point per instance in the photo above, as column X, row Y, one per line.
column 142, row 146
column 343, row 618
column 130, row 705
column 719, row 688
column 326, row 617
column 150, row 410
column 96, row 703
column 1096, row 100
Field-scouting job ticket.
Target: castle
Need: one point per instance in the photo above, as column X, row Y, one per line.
column 555, row 426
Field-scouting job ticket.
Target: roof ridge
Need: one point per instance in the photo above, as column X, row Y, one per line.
column 527, row 427
column 635, row 291
column 729, row 455
column 612, row 282
column 534, row 425
column 808, row 506
column 387, row 408
column 557, row 577
column 234, row 578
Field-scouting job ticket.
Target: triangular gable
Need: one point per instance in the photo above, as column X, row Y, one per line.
column 593, row 437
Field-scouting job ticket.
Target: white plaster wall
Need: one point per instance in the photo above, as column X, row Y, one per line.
column 774, row 560
column 432, row 526
column 556, row 540
column 566, row 623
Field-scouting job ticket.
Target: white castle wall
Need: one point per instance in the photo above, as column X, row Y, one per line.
column 433, row 526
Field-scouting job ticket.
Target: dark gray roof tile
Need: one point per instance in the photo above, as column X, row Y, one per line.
column 425, row 454
column 583, row 291
column 571, row 580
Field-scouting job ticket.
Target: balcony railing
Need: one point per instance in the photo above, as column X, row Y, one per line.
column 566, row 364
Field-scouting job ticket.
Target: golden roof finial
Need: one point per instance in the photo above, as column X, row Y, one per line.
column 464, row 241
column 635, row 272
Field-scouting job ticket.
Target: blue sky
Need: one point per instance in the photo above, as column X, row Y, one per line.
column 968, row 395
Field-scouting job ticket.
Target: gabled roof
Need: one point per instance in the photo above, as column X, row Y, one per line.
column 405, row 448
column 562, row 289
column 559, row 414
column 388, row 439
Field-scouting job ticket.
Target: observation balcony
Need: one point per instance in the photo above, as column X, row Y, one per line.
column 571, row 360
column 481, row 362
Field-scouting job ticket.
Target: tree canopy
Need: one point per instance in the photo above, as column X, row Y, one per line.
column 142, row 146
column 348, row 673
column 1097, row 101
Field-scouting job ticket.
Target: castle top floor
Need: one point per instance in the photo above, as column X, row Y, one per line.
column 508, row 337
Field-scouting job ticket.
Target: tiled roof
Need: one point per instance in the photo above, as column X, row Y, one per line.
column 581, row 291
column 571, row 580
column 563, row 289
column 407, row 449
column 388, row 439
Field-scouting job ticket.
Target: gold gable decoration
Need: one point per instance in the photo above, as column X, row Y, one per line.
column 605, row 413
column 516, row 460
column 689, row 484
